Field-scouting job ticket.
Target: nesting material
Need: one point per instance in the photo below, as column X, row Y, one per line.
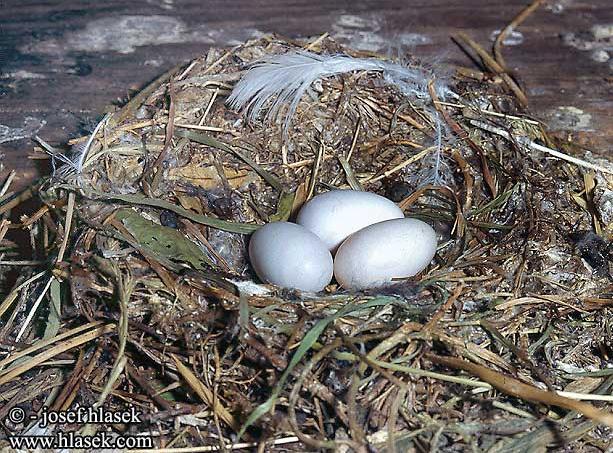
column 280, row 81
column 138, row 290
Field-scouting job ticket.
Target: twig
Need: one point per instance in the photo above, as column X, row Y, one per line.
column 443, row 308
column 513, row 387
column 393, row 416
column 69, row 215
column 516, row 22
column 494, row 67
column 401, row 165
column 519, row 352
column 487, row 175
column 125, row 287
column 523, row 140
column 293, row 397
column 154, row 172
column 205, row 393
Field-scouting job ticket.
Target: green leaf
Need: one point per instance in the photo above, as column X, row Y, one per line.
column 232, row 227
column 243, row 311
column 284, row 207
column 162, row 241
column 55, row 310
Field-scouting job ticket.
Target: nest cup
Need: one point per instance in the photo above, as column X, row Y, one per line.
column 162, row 196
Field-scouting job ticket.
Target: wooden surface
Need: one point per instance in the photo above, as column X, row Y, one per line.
column 63, row 62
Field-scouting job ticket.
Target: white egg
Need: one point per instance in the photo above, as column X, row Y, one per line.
column 290, row 256
column 335, row 215
column 378, row 254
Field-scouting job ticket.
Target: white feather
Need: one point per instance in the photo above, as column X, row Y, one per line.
column 281, row 80
column 74, row 164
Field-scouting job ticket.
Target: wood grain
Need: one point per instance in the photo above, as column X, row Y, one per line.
column 64, row 62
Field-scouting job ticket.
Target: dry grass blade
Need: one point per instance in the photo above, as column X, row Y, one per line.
column 420, row 155
column 513, row 387
column 350, row 175
column 493, row 66
column 10, row 200
column 153, row 174
column 12, row 296
column 553, row 152
column 516, row 22
column 7, row 183
column 460, row 221
column 125, row 288
column 4, row 227
column 487, row 174
column 44, row 343
column 210, row 141
column 11, row 373
column 443, row 309
column 315, row 170
column 205, row 394
column 234, row 227
column 32, row 312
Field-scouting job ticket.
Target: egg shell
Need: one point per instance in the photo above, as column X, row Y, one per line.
column 335, row 215
column 379, row 253
column 290, row 256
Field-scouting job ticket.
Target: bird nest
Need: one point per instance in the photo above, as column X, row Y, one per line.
column 139, row 293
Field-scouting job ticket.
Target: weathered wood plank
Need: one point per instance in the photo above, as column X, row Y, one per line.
column 61, row 63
